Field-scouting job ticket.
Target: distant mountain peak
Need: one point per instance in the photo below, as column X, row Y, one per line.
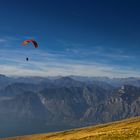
column 66, row 78
column 2, row 76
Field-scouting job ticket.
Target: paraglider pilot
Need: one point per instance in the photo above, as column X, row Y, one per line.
column 27, row 59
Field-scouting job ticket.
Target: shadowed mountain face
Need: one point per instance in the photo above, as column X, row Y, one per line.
column 34, row 104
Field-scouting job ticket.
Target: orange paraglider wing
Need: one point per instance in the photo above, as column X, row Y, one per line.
column 26, row 42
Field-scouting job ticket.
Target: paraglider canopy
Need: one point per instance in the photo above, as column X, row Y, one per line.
column 26, row 42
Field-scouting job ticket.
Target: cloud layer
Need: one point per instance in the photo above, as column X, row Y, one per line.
column 41, row 63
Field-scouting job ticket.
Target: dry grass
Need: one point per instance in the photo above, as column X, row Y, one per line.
column 122, row 130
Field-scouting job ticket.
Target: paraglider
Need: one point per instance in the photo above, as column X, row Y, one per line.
column 26, row 42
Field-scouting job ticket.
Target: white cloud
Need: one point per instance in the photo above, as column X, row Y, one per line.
column 2, row 40
column 41, row 63
column 55, row 68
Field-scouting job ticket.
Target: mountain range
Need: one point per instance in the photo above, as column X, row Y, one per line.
column 43, row 104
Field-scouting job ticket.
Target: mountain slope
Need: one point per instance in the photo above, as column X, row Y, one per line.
column 123, row 130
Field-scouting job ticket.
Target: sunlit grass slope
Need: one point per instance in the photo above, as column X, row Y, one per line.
column 122, row 130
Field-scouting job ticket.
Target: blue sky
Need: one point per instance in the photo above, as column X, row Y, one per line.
column 76, row 37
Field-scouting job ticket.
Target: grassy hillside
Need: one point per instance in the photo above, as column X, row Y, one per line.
column 122, row 130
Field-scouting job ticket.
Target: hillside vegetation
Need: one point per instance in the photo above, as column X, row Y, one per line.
column 128, row 129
